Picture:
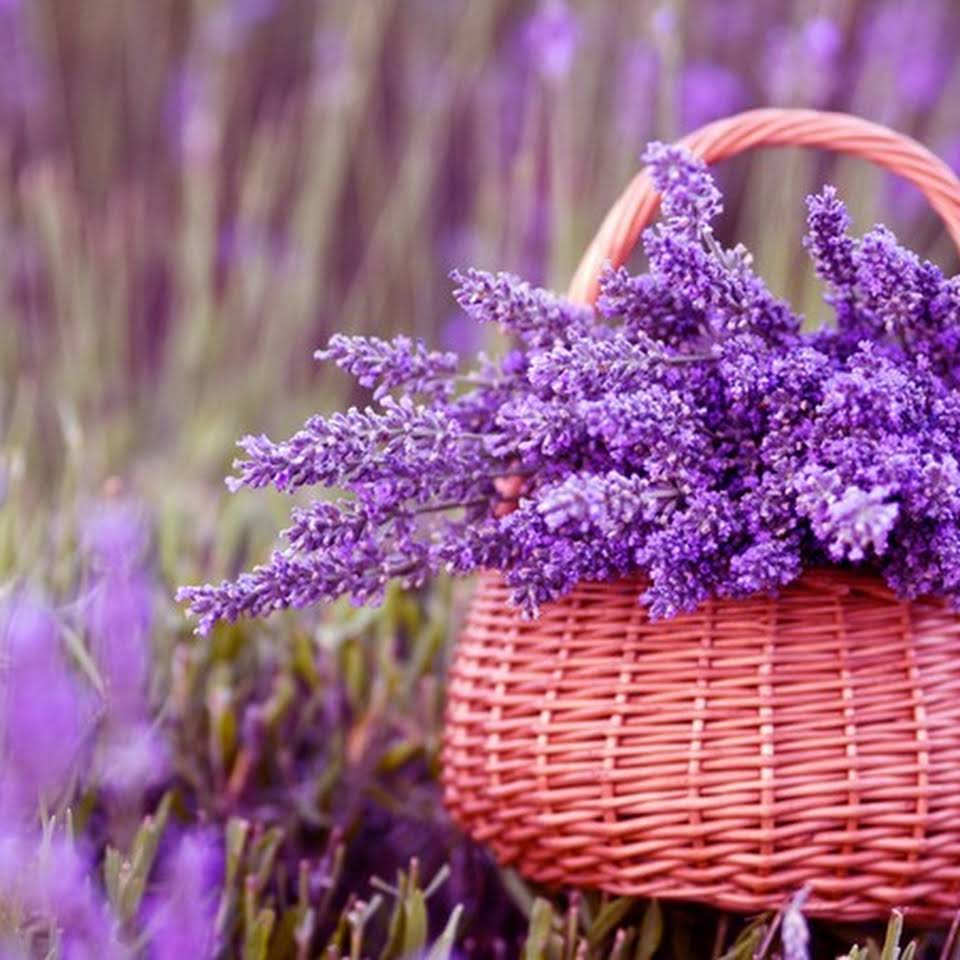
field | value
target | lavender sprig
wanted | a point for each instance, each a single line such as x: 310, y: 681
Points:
x: 540, y: 318
x: 384, y: 365
x: 400, y: 439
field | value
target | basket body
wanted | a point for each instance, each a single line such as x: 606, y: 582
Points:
x: 730, y: 756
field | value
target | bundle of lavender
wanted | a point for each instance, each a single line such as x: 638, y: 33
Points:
x: 686, y: 428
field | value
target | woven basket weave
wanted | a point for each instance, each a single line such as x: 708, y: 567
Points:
x: 733, y: 755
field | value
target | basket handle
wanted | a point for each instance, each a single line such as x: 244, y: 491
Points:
x: 771, y: 127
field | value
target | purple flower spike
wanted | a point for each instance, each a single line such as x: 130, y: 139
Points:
x: 708, y: 91
x: 60, y: 887
x: 182, y: 920
x: 832, y: 250
x: 384, y: 365
x: 50, y: 881
x: 134, y: 759
x: 690, y: 199
x: 552, y: 36
x: 44, y: 712
x: 539, y: 317
x: 117, y: 608
x: 118, y: 611
x: 801, y: 64
x: 114, y: 534
x: 854, y: 522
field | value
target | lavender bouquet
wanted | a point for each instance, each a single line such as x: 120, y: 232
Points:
x: 686, y: 428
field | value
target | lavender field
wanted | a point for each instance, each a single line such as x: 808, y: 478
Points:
x: 194, y: 196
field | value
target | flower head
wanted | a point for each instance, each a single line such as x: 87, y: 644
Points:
x: 687, y: 428
x: 552, y: 35
x: 181, y: 923
x: 44, y: 711
x: 117, y: 606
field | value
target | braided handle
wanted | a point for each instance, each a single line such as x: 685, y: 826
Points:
x: 771, y: 128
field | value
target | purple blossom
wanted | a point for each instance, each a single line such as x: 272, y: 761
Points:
x: 133, y: 759
x: 114, y: 534
x: 384, y: 365
x: 802, y: 62
x: 551, y: 37
x: 117, y: 607
x: 543, y: 565
x: 118, y: 611
x: 690, y: 198
x: 44, y: 713
x: 539, y: 317
x: 686, y: 429
x: 336, y: 451
x: 610, y: 506
x: 182, y: 920
x: 690, y: 274
x: 709, y: 91
x: 829, y: 245
x: 49, y: 880
x: 883, y: 293
x: 772, y: 561
x: 60, y: 887
x: 23, y: 82
x: 597, y: 367
x: 849, y: 521
x: 686, y: 558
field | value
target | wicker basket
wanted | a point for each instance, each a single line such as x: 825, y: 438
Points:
x: 733, y: 755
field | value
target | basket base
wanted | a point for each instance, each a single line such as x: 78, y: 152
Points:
x: 728, y: 757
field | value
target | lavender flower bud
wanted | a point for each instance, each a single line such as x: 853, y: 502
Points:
x: 384, y: 365
x: 689, y: 197
x: 539, y: 317
x: 827, y: 241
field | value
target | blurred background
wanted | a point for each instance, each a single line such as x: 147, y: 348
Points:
x: 194, y: 194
